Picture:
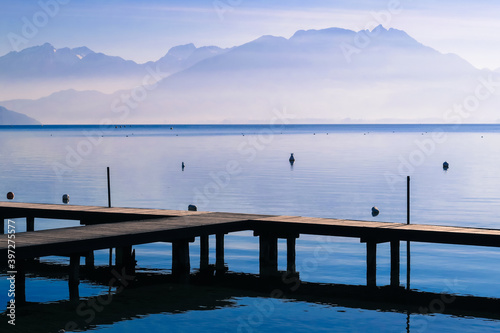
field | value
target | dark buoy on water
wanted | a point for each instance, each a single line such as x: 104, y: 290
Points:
x: 10, y: 195
x: 446, y: 165
x: 291, y: 159
x: 183, y: 166
x: 375, y: 211
x: 65, y: 198
x: 192, y: 208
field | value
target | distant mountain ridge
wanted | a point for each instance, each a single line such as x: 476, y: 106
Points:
x: 8, y: 117
x: 323, y: 75
x: 51, y: 70
x: 46, y: 61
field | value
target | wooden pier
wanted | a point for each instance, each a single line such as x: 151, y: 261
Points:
x: 121, y: 228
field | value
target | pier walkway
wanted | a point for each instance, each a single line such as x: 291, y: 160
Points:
x: 121, y: 228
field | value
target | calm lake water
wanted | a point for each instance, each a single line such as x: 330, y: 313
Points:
x: 341, y: 171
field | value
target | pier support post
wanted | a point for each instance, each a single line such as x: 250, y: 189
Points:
x: 20, y: 281
x: 204, y: 253
x: 290, y: 255
x: 371, y: 263
x: 74, y: 277
x: 395, y: 263
x: 220, y: 267
x: 89, y: 260
x: 30, y: 223
x: 125, y: 259
x: 180, y: 260
x: 268, y: 255
x: 30, y: 226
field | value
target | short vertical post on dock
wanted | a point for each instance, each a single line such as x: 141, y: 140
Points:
x: 74, y: 277
x: 220, y: 267
x: 371, y: 263
x: 20, y: 281
x: 109, y: 190
x: 290, y: 255
x: 268, y: 255
x: 180, y: 260
x: 204, y: 253
x: 395, y: 255
x: 30, y: 223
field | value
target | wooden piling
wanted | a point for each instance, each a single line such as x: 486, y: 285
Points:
x: 220, y: 267
x: 395, y: 263
x: 408, y: 264
x: 268, y: 255
x: 110, y: 257
x: 204, y: 253
x: 125, y: 258
x: 371, y: 263
x: 290, y: 255
x: 90, y: 260
x: 180, y: 260
x: 74, y: 277
x: 30, y: 223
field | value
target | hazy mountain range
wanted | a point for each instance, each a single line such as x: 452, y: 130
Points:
x: 41, y: 70
x: 331, y: 75
x: 8, y: 117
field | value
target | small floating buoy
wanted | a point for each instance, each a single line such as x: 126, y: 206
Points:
x: 192, y: 208
x: 183, y: 166
x: 10, y: 195
x: 446, y: 165
x: 291, y: 159
x: 375, y: 211
x: 65, y: 198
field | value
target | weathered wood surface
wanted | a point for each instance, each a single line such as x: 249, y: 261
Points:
x: 383, y: 231
x: 86, y: 214
x: 170, y: 225
x: 65, y: 241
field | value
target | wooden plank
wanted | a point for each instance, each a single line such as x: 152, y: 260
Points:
x: 187, y: 224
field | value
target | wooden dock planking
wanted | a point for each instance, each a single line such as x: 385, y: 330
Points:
x: 63, y: 241
x: 193, y: 224
x: 386, y: 231
x: 133, y: 226
x: 85, y: 214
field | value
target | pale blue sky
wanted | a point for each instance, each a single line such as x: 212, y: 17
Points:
x: 145, y: 30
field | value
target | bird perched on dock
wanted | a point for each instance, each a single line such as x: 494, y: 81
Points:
x: 375, y: 211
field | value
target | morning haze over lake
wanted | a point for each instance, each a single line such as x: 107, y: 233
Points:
x: 236, y: 166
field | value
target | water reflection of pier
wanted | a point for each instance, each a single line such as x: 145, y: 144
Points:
x: 159, y: 294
